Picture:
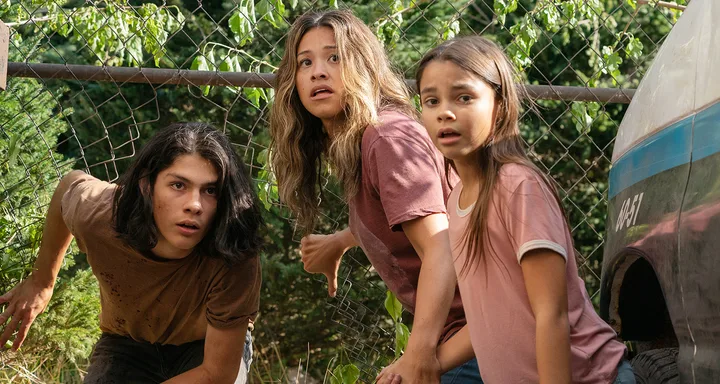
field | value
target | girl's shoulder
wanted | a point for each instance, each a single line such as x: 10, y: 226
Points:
x: 512, y: 175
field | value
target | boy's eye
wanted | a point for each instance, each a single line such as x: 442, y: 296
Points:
x: 177, y: 185
x: 334, y: 58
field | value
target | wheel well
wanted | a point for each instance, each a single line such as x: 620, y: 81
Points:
x: 639, y: 305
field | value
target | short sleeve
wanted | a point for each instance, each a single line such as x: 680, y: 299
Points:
x: 235, y: 295
x: 407, y: 178
x: 79, y: 204
x: 534, y: 219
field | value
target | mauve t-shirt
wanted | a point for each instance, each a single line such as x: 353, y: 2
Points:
x: 403, y: 178
x: 523, y: 215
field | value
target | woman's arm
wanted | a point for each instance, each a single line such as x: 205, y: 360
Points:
x: 436, y: 287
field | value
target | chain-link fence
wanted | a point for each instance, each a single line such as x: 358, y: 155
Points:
x: 90, y: 81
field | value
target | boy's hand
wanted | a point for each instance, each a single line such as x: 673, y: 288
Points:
x: 24, y: 303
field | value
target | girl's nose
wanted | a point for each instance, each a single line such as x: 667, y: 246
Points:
x: 446, y: 114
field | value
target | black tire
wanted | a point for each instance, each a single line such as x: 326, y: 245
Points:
x: 656, y: 366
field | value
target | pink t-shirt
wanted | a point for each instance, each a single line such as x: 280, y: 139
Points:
x: 523, y: 216
x: 403, y: 178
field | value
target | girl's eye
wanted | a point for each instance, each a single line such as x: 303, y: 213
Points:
x: 211, y: 191
x: 430, y: 101
x: 334, y: 58
x: 305, y: 62
x: 465, y: 99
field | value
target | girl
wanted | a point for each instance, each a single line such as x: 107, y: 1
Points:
x: 529, y: 317
x: 337, y: 100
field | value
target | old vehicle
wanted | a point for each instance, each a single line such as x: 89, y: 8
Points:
x: 661, y: 269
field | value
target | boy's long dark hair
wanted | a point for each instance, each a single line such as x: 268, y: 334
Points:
x: 234, y: 235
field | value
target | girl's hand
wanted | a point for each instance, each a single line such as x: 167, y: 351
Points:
x: 24, y: 303
x: 322, y: 254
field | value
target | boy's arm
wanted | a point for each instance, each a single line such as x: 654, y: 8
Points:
x: 223, y: 356
x: 30, y: 297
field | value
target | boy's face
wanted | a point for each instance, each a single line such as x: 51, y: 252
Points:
x: 184, y: 204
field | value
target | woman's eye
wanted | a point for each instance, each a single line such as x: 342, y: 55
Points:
x: 305, y: 63
x: 334, y: 58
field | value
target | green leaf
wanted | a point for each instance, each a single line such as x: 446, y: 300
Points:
x: 582, y: 119
x: 13, y: 149
x: 632, y: 3
x: 345, y: 374
x: 200, y: 64
x: 293, y: 4
x: 253, y: 95
x: 451, y: 30
x: 235, y: 23
x: 334, y: 4
x: 402, y: 335
x: 634, y: 47
x: 226, y: 65
x: 393, y: 306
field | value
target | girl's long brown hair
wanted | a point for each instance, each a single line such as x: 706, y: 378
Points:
x: 487, y: 61
x: 299, y: 142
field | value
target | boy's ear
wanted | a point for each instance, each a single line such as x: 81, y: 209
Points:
x: 145, y: 186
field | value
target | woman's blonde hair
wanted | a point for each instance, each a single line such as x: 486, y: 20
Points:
x: 298, y: 139
x: 486, y: 60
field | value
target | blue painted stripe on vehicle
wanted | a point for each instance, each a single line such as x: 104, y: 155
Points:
x: 669, y: 148
x: 666, y: 149
x: 706, y: 134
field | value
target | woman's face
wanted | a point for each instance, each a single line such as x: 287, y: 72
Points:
x: 318, y: 78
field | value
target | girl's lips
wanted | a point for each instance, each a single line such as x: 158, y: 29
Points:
x: 187, y: 231
x: 321, y: 95
x: 448, y: 140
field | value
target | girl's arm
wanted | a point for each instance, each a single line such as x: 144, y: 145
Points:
x: 544, y: 272
x: 456, y: 351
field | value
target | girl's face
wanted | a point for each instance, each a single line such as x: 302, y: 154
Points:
x: 318, y: 80
x: 184, y: 204
x: 458, y: 109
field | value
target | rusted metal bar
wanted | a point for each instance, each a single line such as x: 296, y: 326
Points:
x: 139, y: 75
x: 162, y: 76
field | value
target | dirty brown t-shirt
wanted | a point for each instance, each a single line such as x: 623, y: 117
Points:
x: 403, y: 178
x: 151, y: 299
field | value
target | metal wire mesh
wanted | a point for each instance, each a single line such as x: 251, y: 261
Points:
x: 89, y: 81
